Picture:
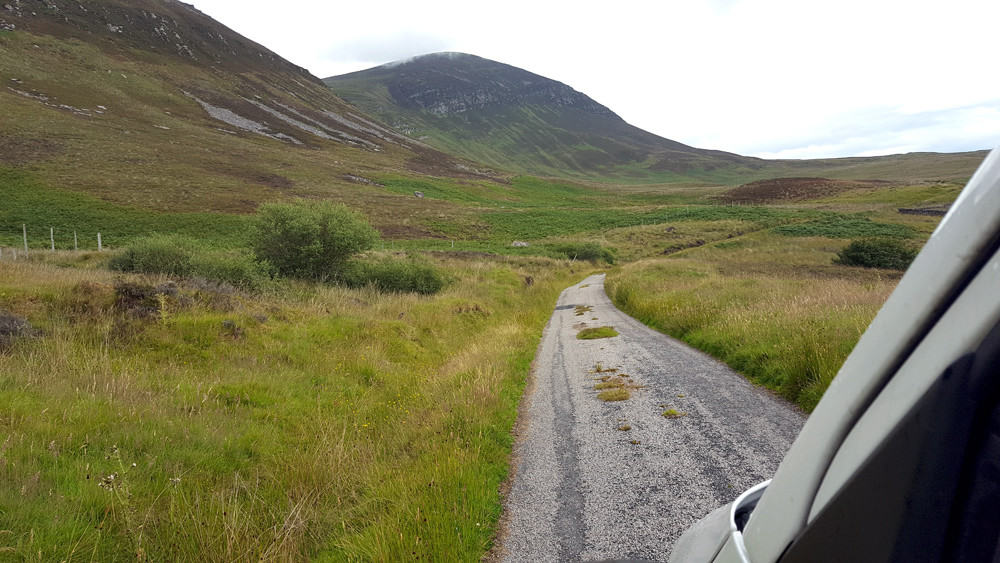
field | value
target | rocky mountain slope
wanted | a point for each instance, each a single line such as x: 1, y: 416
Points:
x: 506, y: 116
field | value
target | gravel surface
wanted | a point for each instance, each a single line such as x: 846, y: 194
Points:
x: 586, y: 490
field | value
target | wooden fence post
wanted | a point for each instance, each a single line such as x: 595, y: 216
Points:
x: 52, y: 238
x: 76, y: 246
x: 99, y: 247
x: 24, y: 231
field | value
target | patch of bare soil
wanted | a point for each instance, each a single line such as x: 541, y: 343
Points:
x: 436, y: 163
x: 260, y: 177
x: 791, y: 189
x: 405, y: 232
x: 21, y: 150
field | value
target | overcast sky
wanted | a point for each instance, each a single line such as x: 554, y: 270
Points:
x: 768, y: 78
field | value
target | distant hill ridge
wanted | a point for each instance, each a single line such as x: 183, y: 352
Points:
x: 504, y: 115
x: 475, y: 83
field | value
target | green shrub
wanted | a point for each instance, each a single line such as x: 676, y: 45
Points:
x: 590, y: 251
x: 180, y: 256
x: 310, y: 239
x: 877, y: 253
x: 404, y: 276
x: 237, y: 269
x: 156, y: 254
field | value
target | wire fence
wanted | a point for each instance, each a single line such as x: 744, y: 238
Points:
x: 30, y: 246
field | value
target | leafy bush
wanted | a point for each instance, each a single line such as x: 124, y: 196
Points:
x: 156, y: 254
x: 177, y: 255
x: 312, y: 240
x: 405, y: 276
x: 590, y: 251
x: 236, y: 269
x: 877, y: 253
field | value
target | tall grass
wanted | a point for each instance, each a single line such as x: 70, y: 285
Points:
x: 789, y: 331
x: 308, y: 422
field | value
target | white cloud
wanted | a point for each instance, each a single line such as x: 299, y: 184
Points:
x: 374, y: 50
x: 763, y: 77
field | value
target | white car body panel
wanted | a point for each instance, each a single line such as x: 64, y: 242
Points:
x: 959, y: 331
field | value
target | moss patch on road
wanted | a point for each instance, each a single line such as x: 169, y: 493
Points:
x: 597, y: 332
x: 616, y: 394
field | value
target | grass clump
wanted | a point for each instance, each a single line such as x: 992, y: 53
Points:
x: 581, y: 310
x: 673, y: 413
x: 877, y: 253
x: 594, y: 333
x: 409, y: 276
x: 156, y: 254
x: 615, y: 388
x: 616, y: 394
x: 599, y: 368
x: 236, y: 268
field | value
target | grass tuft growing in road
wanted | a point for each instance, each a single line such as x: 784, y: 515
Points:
x: 616, y: 394
x: 597, y: 332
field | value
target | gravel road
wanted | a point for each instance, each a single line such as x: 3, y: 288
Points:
x: 585, y: 489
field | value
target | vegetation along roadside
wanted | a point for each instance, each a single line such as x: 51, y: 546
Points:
x: 191, y: 420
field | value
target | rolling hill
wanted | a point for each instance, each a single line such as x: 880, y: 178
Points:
x: 113, y: 106
x: 511, y: 118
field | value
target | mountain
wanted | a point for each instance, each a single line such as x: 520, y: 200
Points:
x: 130, y: 116
x: 511, y: 118
x: 508, y: 117
x: 152, y: 104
